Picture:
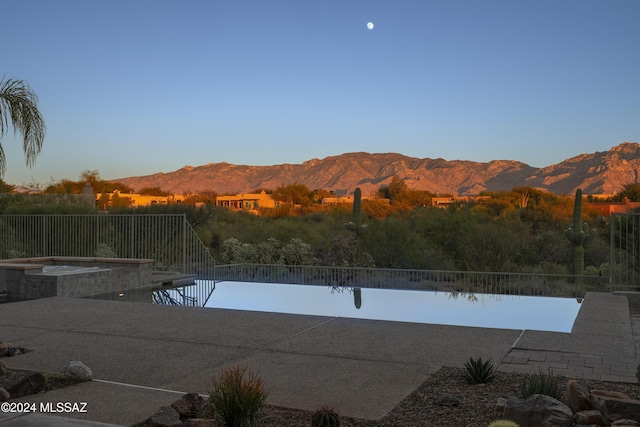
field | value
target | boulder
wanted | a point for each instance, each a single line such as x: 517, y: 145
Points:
x: 191, y: 405
x: 538, y: 411
x: 613, y: 408
x: 500, y: 404
x: 4, y: 395
x: 34, y: 383
x: 200, y: 422
x: 578, y: 396
x: 166, y: 416
x: 609, y: 393
x: 625, y: 423
x: 78, y: 371
x: 591, y: 417
x: 14, y: 351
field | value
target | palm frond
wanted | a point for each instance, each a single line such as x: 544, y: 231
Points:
x: 18, y: 107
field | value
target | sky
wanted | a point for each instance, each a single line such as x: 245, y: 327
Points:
x: 130, y: 88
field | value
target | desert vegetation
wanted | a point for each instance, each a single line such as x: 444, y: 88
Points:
x: 524, y: 228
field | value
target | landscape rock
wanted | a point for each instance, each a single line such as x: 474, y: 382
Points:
x: 500, y: 404
x: 191, y: 405
x: 609, y: 393
x: 613, y: 408
x: 578, y: 396
x: 626, y: 423
x: 200, y: 422
x: 4, y: 395
x: 14, y: 351
x: 538, y: 411
x: 590, y: 417
x: 7, y: 350
x: 78, y: 371
x: 34, y: 383
x: 166, y: 416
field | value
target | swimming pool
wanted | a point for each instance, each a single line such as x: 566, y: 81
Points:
x: 444, y: 308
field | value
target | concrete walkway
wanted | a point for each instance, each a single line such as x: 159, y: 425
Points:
x: 145, y: 356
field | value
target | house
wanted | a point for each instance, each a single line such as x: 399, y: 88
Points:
x: 252, y: 201
x: 444, y: 202
x: 136, y: 200
x: 608, y: 208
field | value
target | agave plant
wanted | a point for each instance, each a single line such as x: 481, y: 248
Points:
x: 477, y: 371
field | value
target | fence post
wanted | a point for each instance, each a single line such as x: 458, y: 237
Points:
x: 612, y: 259
x: 184, y: 243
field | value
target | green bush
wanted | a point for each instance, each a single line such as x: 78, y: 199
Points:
x: 503, y: 423
x: 541, y: 383
x: 478, y: 372
x: 325, y: 417
x: 238, y: 395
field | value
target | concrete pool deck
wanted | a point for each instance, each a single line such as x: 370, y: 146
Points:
x: 144, y: 356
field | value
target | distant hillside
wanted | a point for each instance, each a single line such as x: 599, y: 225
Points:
x: 600, y: 172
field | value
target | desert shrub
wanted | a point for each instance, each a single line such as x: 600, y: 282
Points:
x: 541, y: 383
x: 14, y: 253
x: 325, y: 417
x: 478, y: 372
x: 238, y: 395
x: 105, y: 251
x: 503, y: 423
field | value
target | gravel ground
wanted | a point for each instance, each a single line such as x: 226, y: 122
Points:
x: 444, y: 400
x: 429, y: 404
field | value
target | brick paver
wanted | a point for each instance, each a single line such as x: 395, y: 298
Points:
x: 605, y: 367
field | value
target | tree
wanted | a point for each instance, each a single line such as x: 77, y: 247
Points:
x: 297, y: 194
x: 18, y: 105
x: 629, y: 191
x: 5, y: 188
x: 153, y: 191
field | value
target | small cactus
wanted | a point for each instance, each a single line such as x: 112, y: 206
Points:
x: 325, y: 417
x: 503, y: 423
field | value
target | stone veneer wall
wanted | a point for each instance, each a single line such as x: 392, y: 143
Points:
x: 24, y: 279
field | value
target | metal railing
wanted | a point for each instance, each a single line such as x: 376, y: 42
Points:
x: 625, y: 251
x: 434, y: 280
x: 167, y: 239
x: 173, y: 245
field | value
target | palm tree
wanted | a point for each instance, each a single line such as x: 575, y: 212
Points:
x: 18, y: 105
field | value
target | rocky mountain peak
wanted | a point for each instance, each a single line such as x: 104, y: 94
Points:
x: 600, y: 172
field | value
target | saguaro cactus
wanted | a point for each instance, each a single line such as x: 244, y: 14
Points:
x: 356, y: 223
x: 579, y: 235
x: 357, y: 297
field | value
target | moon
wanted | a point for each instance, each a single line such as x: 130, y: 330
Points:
x: 370, y: 25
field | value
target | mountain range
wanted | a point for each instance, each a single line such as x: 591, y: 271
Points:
x: 597, y: 173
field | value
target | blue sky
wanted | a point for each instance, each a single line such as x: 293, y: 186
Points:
x: 138, y: 87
